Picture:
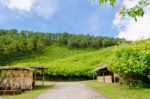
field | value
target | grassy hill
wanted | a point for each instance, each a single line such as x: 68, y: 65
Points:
x: 62, y: 61
x: 65, y: 54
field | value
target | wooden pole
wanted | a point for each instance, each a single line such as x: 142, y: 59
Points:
x: 0, y: 72
x: 93, y: 76
x: 34, y: 79
x: 113, y: 77
x: 43, y: 78
x: 104, y: 76
x: 35, y: 76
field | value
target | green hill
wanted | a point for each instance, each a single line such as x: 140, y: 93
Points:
x: 65, y: 54
x: 62, y: 61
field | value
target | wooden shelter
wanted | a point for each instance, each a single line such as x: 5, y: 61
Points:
x: 19, y: 78
x: 105, y: 74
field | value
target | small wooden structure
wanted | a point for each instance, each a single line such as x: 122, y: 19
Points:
x: 105, y: 74
x: 19, y: 78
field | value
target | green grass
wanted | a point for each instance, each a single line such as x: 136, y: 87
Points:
x: 68, y: 62
x: 39, y: 89
x: 116, y: 91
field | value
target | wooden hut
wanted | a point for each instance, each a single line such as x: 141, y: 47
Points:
x: 19, y: 78
x: 104, y: 75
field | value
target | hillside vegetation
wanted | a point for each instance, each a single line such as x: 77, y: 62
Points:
x: 132, y: 62
x: 62, y: 61
x: 14, y: 44
x: 71, y: 55
x: 64, y: 54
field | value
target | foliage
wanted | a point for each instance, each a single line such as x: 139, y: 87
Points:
x: 65, y: 62
x: 15, y: 43
x: 65, y: 54
x: 133, y: 62
x: 111, y: 2
x: 136, y: 11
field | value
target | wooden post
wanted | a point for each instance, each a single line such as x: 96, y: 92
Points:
x: 34, y: 80
x: 43, y: 78
x: 113, y: 77
x: 93, y: 76
x: 104, y: 76
x: 0, y: 72
x: 35, y: 76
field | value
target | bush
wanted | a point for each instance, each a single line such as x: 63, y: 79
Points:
x: 133, y: 62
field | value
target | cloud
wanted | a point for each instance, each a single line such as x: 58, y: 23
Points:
x: 43, y: 8
x: 131, y: 30
x: 20, y: 5
x: 47, y: 8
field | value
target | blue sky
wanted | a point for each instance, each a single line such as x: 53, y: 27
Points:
x: 73, y: 16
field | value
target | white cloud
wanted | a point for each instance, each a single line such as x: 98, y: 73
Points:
x: 131, y: 30
x: 20, y: 5
x: 42, y: 8
x: 130, y: 3
x: 47, y: 8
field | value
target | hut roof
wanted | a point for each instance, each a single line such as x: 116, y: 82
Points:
x: 101, y: 67
x: 38, y: 67
x: 22, y: 68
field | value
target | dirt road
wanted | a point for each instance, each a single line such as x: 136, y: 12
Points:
x: 71, y: 90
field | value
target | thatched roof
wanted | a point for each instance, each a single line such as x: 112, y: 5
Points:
x: 101, y: 67
x: 38, y: 67
x: 22, y: 68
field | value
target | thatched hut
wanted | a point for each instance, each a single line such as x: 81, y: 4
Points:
x: 104, y: 75
x: 19, y: 78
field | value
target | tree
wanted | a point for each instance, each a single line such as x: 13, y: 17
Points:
x: 48, y: 38
x: 83, y: 44
x: 136, y: 11
x: 40, y: 44
x: 73, y: 44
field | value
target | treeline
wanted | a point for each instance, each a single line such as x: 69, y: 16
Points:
x: 14, y: 43
x: 86, y: 41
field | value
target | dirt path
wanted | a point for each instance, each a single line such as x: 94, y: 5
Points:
x: 71, y: 90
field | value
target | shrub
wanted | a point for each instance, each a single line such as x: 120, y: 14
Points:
x: 133, y: 62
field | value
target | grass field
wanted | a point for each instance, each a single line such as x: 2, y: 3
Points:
x: 115, y: 91
x: 39, y: 89
x: 68, y: 62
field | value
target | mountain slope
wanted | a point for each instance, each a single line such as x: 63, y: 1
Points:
x: 62, y: 61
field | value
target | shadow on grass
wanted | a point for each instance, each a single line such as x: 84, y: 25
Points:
x: 40, y: 87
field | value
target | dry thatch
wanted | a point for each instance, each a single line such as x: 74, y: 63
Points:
x: 17, y: 80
